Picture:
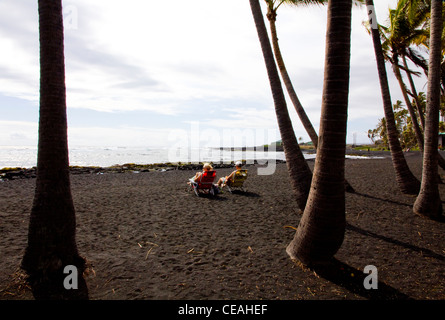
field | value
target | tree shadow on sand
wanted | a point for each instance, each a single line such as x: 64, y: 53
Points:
x: 437, y: 219
x: 423, y: 251
x: 381, y: 199
x: 353, y: 280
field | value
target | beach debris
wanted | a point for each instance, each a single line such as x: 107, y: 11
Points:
x: 290, y: 227
x: 140, y: 246
x: 310, y: 291
x: 18, y: 285
x: 148, y: 252
x: 250, y: 249
x: 191, y: 250
x: 89, y: 270
x: 153, y: 245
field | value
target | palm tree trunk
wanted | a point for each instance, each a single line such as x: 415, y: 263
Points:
x: 441, y: 160
x: 414, y: 93
x: 52, y: 227
x: 271, y: 15
x: 428, y: 202
x: 322, y: 226
x: 418, y: 133
x: 407, y: 182
x: 299, y: 171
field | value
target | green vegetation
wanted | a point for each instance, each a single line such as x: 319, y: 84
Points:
x: 404, y: 125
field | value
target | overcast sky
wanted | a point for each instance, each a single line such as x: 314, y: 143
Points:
x: 157, y: 73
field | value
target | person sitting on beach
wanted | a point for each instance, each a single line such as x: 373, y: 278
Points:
x: 205, y: 167
x: 224, y: 180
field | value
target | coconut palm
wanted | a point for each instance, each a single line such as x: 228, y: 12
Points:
x: 299, y: 171
x: 428, y: 202
x: 413, y: 93
x: 52, y: 227
x: 409, y: 25
x: 272, y: 7
x: 321, y: 229
x: 404, y: 29
x: 407, y: 182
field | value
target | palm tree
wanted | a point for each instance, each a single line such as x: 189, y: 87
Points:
x: 408, y: 25
x: 299, y: 171
x: 404, y: 29
x: 52, y: 227
x: 321, y: 229
x: 413, y: 93
x: 272, y: 8
x: 407, y: 182
x: 418, y: 10
x: 428, y: 202
x: 414, y: 115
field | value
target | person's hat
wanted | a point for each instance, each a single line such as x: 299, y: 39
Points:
x: 238, y: 163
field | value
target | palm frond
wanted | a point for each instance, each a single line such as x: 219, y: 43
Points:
x: 304, y: 2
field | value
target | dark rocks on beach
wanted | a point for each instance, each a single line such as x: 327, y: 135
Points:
x: 28, y: 173
x: 17, y: 173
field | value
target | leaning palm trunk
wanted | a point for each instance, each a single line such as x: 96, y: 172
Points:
x: 52, y: 227
x: 417, y: 129
x: 418, y: 133
x: 322, y: 226
x: 428, y: 202
x: 414, y: 93
x: 441, y: 160
x: 271, y: 15
x: 299, y: 171
x: 407, y: 182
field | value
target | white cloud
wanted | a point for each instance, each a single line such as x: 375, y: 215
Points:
x: 177, y: 58
x: 161, y: 51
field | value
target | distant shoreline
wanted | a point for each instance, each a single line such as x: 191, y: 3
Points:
x: 260, y: 149
x: 20, y: 173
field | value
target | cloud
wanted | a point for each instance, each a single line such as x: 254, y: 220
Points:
x: 170, y: 59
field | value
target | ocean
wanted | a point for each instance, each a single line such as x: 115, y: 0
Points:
x: 26, y: 157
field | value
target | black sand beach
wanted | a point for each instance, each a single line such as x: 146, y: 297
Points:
x: 146, y: 236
